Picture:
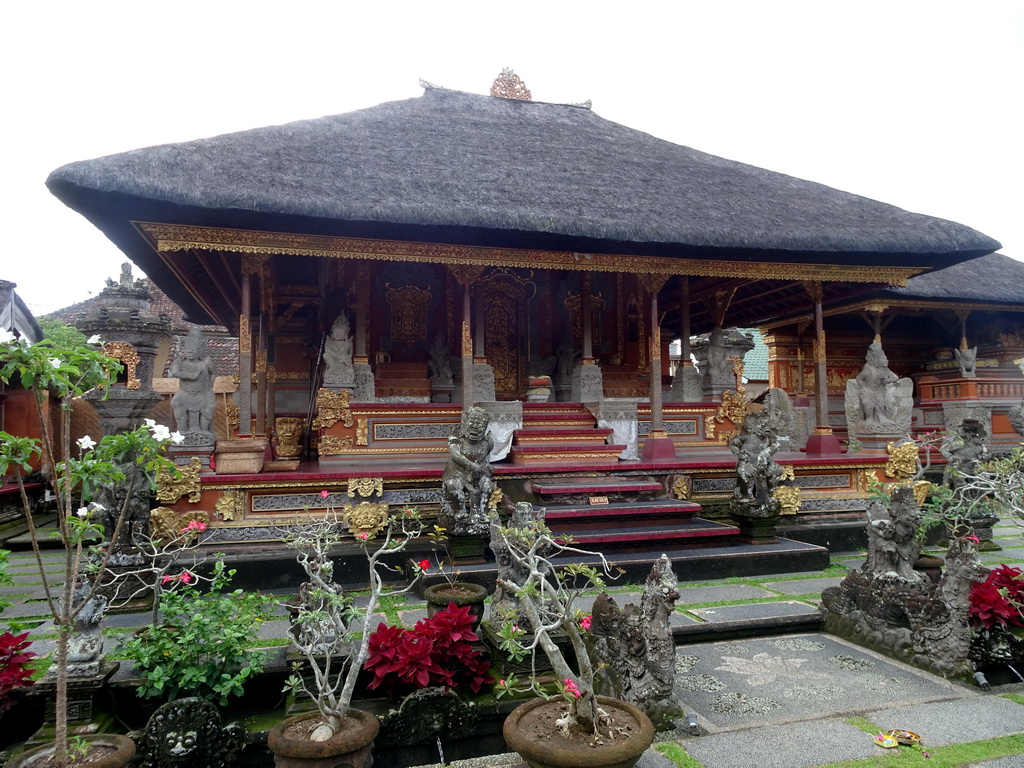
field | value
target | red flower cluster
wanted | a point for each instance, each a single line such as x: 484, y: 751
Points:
x: 15, y: 666
x: 437, y: 651
x: 999, y: 600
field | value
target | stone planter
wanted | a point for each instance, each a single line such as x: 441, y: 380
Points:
x: 120, y: 751
x: 351, y: 747
x: 539, y: 751
x: 461, y: 593
x: 243, y: 456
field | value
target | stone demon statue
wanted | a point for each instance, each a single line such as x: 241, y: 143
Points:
x: 467, y: 483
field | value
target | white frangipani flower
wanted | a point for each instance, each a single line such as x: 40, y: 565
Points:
x: 82, y: 512
x: 55, y: 362
x: 177, y: 438
x: 85, y: 443
x: 150, y: 423
x: 160, y: 432
x: 94, y: 339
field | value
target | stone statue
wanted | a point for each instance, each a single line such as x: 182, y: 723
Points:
x: 878, y: 402
x: 719, y: 367
x: 85, y: 645
x: 467, y: 483
x: 634, y: 649
x: 757, y: 473
x: 188, y: 733
x: 965, y: 450
x: 781, y: 418
x: 339, y: 371
x: 968, y: 359
x: 126, y: 275
x: 504, y: 602
x: 892, y: 546
x: 129, y: 498
x: 194, y: 402
x: 1017, y: 418
x: 440, y: 364
x: 568, y: 355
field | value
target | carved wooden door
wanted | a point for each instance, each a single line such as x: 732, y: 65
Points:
x: 502, y: 342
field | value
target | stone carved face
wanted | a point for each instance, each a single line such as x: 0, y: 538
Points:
x: 289, y: 429
x: 476, y: 424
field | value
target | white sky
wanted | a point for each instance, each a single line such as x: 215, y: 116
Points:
x: 915, y: 103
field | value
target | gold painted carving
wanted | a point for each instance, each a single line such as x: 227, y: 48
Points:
x: 244, y: 335
x: 788, y: 497
x: 720, y: 301
x: 652, y: 283
x: 365, y: 486
x: 508, y: 85
x: 495, y: 499
x: 466, y: 274
x: 127, y: 354
x: 409, y: 306
x: 231, y: 505
x: 682, y: 487
x: 467, y: 340
x: 171, y: 486
x: 733, y: 406
x: 902, y: 459
x: 787, y: 473
x: 166, y: 525
x: 362, y: 432
x: 234, y: 416
x: 289, y: 436
x: 261, y: 361
x: 332, y: 407
x: 365, y: 517
x: 332, y: 445
x: 174, y: 237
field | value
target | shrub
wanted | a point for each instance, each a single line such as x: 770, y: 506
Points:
x: 999, y: 600
x: 437, y: 651
x: 202, y: 646
x: 15, y: 666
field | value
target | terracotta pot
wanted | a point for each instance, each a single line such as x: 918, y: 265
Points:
x: 620, y: 753
x: 352, y: 746
x: 461, y: 593
x: 124, y: 751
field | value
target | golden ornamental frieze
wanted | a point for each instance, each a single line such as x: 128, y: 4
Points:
x: 902, y: 459
x: 171, y: 485
x: 174, y: 237
x: 682, y: 487
x: 166, y: 525
x: 332, y: 445
x: 788, y: 497
x: 129, y: 356
x: 331, y: 408
x: 365, y: 517
x: 231, y: 505
x: 362, y: 432
x: 365, y: 486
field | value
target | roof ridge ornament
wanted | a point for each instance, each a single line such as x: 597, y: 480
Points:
x: 508, y: 85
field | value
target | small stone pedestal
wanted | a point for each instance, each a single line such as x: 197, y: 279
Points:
x: 823, y: 443
x: 658, y: 445
x: 83, y: 717
x: 243, y: 456
x: 757, y: 530
x: 982, y: 527
x: 198, y: 444
x: 587, y: 383
x: 441, y: 393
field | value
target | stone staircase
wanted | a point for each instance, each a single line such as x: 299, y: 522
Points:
x: 561, y: 433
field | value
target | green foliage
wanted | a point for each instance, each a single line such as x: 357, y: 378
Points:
x: 678, y: 755
x: 62, y: 335
x: 5, y: 577
x: 203, y: 645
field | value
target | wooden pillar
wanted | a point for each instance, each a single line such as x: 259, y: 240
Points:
x: 658, y: 444
x: 245, y: 353
x: 362, y: 299
x: 684, y: 320
x: 821, y: 440
x: 467, y: 277
x: 586, y: 319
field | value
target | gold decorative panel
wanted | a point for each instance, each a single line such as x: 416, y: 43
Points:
x: 365, y: 517
x: 409, y: 307
x: 171, y: 486
x: 129, y: 357
x: 365, y: 486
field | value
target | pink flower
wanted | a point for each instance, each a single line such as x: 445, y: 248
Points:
x: 364, y: 536
x: 195, y: 525
x: 570, y: 687
x: 168, y: 578
x: 973, y: 538
x: 585, y: 622
x: 424, y: 565
x: 324, y: 494
x: 501, y: 682
x: 186, y: 577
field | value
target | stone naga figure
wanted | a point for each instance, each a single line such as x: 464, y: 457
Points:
x: 878, y: 401
x: 965, y: 450
x: 440, y: 364
x: 467, y: 483
x: 194, y: 402
x: 634, y: 650
x: 757, y: 473
x: 188, y: 733
x: 339, y: 370
x: 968, y: 359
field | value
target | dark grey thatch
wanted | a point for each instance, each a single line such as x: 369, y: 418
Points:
x: 993, y: 278
x: 457, y: 167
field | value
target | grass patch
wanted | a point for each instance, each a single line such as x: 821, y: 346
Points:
x: 865, y: 725
x: 678, y: 755
x: 952, y: 756
x: 1014, y: 697
x: 750, y: 601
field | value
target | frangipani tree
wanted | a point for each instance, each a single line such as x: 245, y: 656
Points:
x: 77, y: 472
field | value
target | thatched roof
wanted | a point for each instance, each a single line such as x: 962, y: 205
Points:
x: 994, y: 278
x: 456, y: 167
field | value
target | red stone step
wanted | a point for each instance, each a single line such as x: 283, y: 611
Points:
x: 594, y: 486
x: 565, y: 453
x: 658, y: 512
x: 561, y: 435
x: 695, y: 533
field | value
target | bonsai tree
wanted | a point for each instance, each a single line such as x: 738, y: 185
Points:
x: 59, y: 374
x: 323, y: 628
x: 545, y: 596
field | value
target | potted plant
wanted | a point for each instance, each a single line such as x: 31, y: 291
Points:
x: 335, y: 733
x: 57, y: 374
x: 574, y: 727
x: 451, y: 590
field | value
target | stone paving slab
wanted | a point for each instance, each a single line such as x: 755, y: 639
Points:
x: 754, y: 611
x: 953, y: 722
x: 803, y: 586
x: 1011, y: 761
x: 783, y: 746
x: 717, y: 594
x: 767, y: 681
x: 23, y: 610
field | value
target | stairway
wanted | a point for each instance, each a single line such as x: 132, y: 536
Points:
x: 561, y: 433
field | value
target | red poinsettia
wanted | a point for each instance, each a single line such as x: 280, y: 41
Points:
x: 999, y: 600
x: 15, y: 666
